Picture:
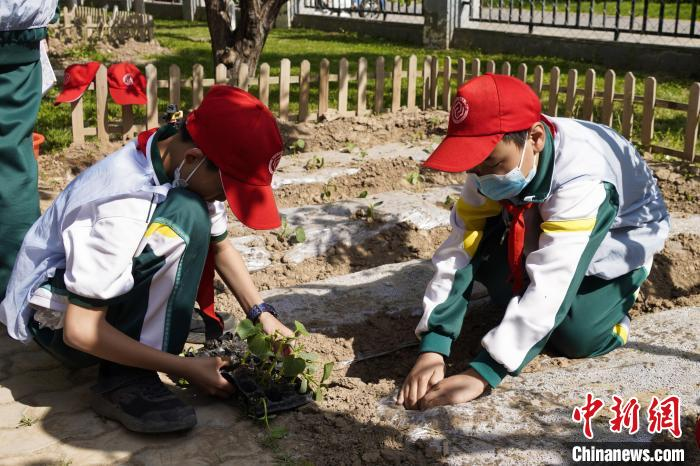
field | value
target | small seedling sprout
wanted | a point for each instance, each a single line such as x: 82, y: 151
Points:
x: 414, y: 178
x: 315, y: 163
x: 297, y: 146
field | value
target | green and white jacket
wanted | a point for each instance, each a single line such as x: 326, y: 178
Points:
x: 598, y: 212
x: 22, y: 26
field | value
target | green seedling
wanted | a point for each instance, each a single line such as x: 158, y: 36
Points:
x: 26, y: 421
x: 288, y: 234
x: 276, y: 359
x: 449, y: 202
x: 363, y: 194
x: 315, y: 163
x: 327, y: 192
x: 414, y: 178
x: 349, y: 147
x: 370, y: 213
x: 297, y: 146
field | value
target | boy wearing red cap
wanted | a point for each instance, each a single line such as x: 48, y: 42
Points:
x: 110, y: 272
x: 559, y: 218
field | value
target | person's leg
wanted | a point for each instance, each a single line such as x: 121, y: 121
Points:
x: 598, y: 321
x: 20, y: 96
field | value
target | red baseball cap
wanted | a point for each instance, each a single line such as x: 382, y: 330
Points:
x: 76, y: 79
x: 484, y: 109
x: 127, y: 85
x: 239, y: 134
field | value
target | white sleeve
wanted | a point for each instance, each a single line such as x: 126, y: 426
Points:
x: 218, y: 217
x: 100, y: 245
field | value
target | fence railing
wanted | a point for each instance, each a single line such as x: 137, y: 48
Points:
x: 395, y: 88
x: 94, y: 24
x: 650, y: 17
x: 371, y: 9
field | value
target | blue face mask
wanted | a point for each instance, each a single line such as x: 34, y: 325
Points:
x: 498, y: 187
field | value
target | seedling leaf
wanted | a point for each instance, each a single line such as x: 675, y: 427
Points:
x: 303, y: 386
x: 278, y: 432
x: 246, y: 329
x: 327, y: 370
x: 300, y: 329
x: 291, y: 367
x: 318, y: 395
x: 260, y: 345
x: 300, y: 234
x: 363, y: 194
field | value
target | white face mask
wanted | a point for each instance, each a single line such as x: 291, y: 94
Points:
x: 499, y: 187
x: 178, y: 182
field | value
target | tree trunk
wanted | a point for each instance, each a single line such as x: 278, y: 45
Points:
x: 245, y: 44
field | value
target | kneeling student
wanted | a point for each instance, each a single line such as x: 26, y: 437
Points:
x: 559, y: 218
x: 110, y: 272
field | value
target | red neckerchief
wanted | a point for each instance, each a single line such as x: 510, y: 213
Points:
x: 516, y: 243
x: 205, y: 293
x: 516, y: 232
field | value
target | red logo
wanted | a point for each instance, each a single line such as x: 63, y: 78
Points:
x: 665, y: 415
x: 128, y: 80
x: 586, y: 413
x: 460, y: 109
x: 274, y: 161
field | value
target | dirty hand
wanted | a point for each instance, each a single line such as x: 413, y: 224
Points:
x: 457, y: 389
x: 428, y: 370
x: 270, y: 324
x: 204, y: 372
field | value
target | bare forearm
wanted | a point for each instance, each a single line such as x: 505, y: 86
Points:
x: 233, y: 271
x: 87, y: 330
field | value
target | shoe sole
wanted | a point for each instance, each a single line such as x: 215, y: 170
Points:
x: 110, y: 411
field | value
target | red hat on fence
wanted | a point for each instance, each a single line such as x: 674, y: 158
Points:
x: 239, y: 134
x: 76, y: 79
x: 484, y: 109
x: 127, y: 85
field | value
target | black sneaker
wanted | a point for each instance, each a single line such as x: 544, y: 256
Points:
x: 143, y: 405
x: 203, y: 328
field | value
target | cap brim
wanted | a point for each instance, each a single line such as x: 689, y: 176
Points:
x: 462, y: 153
x: 123, y: 97
x: 71, y: 95
x: 253, y: 205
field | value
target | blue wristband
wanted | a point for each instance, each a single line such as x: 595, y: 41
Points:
x: 257, y: 310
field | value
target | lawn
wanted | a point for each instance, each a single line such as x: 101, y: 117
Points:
x: 189, y: 45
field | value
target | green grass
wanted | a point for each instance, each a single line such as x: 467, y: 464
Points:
x: 653, y: 11
x: 189, y: 45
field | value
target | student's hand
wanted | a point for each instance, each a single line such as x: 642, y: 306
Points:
x: 457, y: 389
x: 204, y: 372
x: 428, y: 370
x: 270, y: 324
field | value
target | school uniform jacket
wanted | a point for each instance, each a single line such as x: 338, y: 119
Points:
x: 92, y: 230
x: 598, y: 211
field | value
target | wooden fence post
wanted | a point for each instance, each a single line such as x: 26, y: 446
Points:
x: 427, y: 63
x: 396, y: 79
x: 461, y: 71
x: 304, y: 71
x: 174, y: 84
x: 446, y: 83
x: 648, y: 115
x: 127, y: 121
x: 151, y: 96
x: 554, y: 83
x: 589, y: 95
x: 538, y: 80
x: 476, y: 68
x: 220, y: 74
x: 323, y: 88
x: 343, y: 87
x: 608, y: 98
x: 101, y: 102
x: 505, y: 68
x: 361, y: 86
x: 691, y: 125
x: 491, y: 66
x: 76, y: 117
x: 243, y: 73
x: 285, y: 69
x: 264, y: 84
x: 434, y: 70
x: 379, y: 85
x: 197, y: 85
x: 628, y: 105
x: 522, y: 72
x: 571, y: 83
x: 412, y: 78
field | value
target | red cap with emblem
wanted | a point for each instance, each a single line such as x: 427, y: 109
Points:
x: 239, y: 134
x: 127, y: 85
x: 484, y: 109
x: 76, y: 79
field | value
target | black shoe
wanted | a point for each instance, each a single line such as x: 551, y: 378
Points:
x: 143, y: 404
x: 203, y: 328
